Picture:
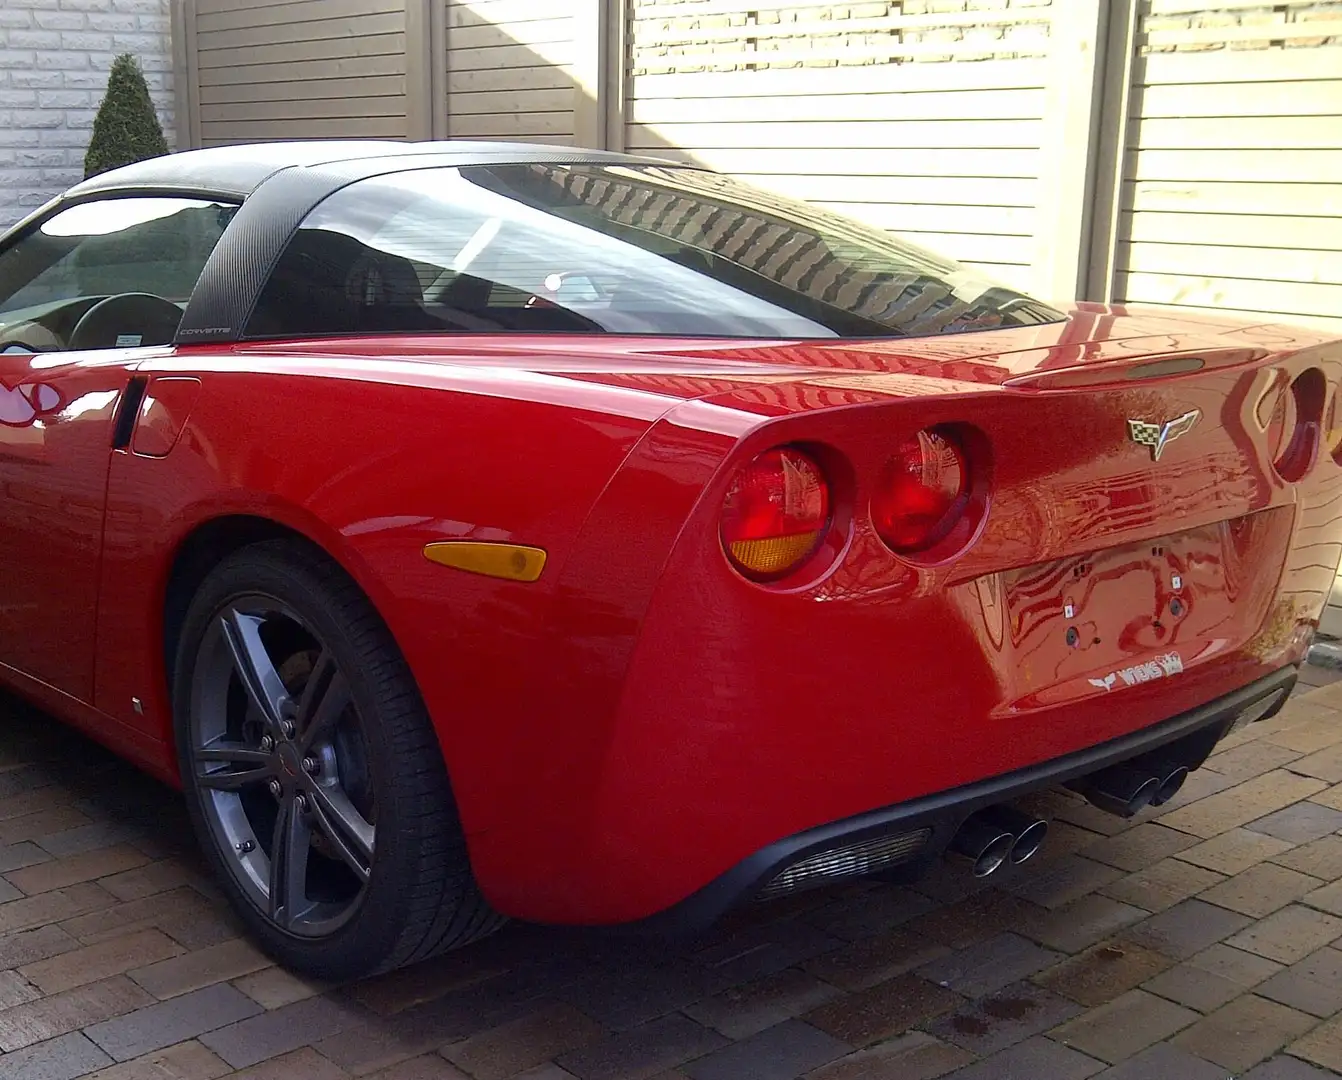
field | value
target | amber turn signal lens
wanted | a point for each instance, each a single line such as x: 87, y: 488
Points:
x: 923, y: 494
x: 775, y: 513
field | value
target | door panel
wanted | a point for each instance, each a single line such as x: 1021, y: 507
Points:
x: 56, y: 418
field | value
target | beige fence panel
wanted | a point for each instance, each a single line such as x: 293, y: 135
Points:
x: 931, y: 124
x: 293, y: 69
x: 1227, y: 188
x: 510, y: 69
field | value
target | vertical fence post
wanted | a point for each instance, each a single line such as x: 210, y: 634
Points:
x: 1071, y: 120
x: 589, y: 127
x: 1111, y: 151
x: 614, y: 70
x: 185, y: 76
x: 418, y: 70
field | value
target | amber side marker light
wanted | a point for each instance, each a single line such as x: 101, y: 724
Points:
x: 775, y: 514
x: 516, y: 562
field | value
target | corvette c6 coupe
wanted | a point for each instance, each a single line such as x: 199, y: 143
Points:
x: 476, y: 530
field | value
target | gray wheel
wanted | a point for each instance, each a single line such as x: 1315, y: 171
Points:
x: 313, y: 775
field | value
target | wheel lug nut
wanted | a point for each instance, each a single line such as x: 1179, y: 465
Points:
x: 245, y: 847
x: 287, y: 728
x: 275, y: 788
x: 311, y: 766
x: 300, y: 803
x: 267, y: 743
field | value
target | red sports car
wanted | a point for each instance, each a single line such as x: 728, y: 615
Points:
x: 477, y: 530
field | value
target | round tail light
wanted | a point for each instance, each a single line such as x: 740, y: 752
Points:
x: 923, y: 494
x: 775, y: 513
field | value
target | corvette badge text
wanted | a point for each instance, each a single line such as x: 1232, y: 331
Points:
x: 1162, y: 667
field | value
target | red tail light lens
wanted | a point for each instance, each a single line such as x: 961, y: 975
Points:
x: 775, y: 514
x: 924, y: 492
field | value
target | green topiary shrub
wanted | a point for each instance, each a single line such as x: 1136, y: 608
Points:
x: 126, y: 128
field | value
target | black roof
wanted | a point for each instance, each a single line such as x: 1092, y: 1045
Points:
x: 240, y: 170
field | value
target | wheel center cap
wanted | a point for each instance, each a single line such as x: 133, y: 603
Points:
x: 289, y: 760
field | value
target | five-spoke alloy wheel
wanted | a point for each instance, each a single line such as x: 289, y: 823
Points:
x: 310, y: 764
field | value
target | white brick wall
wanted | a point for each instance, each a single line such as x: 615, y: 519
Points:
x: 54, y: 60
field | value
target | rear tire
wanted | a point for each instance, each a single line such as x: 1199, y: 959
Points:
x: 313, y: 777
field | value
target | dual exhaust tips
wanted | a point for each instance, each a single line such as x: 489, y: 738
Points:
x: 1130, y: 787
x: 991, y: 838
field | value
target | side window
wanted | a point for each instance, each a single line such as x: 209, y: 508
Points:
x: 111, y: 273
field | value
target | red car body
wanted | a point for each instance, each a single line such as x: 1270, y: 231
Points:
x: 627, y: 728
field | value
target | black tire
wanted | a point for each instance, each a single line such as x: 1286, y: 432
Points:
x: 415, y: 895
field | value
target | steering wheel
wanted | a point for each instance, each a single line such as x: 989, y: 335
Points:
x: 114, y: 321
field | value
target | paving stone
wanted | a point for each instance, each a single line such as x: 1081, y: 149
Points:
x: 766, y: 949
x: 75, y: 869
x: 204, y: 967
x: 1081, y: 923
x: 1328, y: 898
x: 1164, y: 1062
x: 914, y: 1056
x: 984, y: 968
x: 1320, y: 858
x: 1119, y: 1029
x: 1289, y: 935
x: 48, y: 1017
x: 874, y: 912
x: 1288, y: 1068
x: 1211, y: 978
x: 1244, y: 1032
x: 59, y: 1059
x: 185, y: 1061
x: 152, y: 878
x: 1103, y: 972
x: 882, y: 1011
x: 433, y: 1067
x: 782, y: 1052
x: 252, y: 1038
x: 527, y: 1041
x: 1325, y: 764
x: 873, y: 960
x: 1200, y: 784
x: 1312, y: 732
x: 1234, y: 850
x: 1187, y: 928
x: 95, y: 962
x: 27, y: 946
x: 17, y: 856
x: 1139, y: 848
x: 1163, y: 885
x: 643, y: 992
x: 973, y: 920
x: 273, y: 987
x: 644, y: 1051
x: 1248, y: 760
x: 15, y: 990
x: 1313, y: 985
x: 305, y: 1063
x: 743, y: 1010
x: 1011, y: 1015
x: 53, y: 907
x: 1064, y: 880
x: 1322, y: 1046
x: 90, y: 837
x: 159, y: 1025
x: 1299, y: 823
x: 1329, y: 797
x: 37, y: 825
x: 1261, y: 890
x: 1033, y: 1059
x: 1242, y: 803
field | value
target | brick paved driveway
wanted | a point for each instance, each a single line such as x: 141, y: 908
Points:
x: 1204, y: 942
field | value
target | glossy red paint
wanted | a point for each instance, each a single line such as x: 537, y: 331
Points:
x: 642, y: 717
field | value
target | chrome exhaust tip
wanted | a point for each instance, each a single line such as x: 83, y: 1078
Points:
x: 1170, y: 784
x: 986, y: 845
x: 1121, y: 790
x: 1028, y: 831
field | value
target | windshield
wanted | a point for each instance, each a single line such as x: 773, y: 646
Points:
x: 660, y: 250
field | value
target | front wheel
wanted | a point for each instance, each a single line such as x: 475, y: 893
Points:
x: 313, y: 777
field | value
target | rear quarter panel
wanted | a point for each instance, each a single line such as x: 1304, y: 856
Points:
x: 371, y: 471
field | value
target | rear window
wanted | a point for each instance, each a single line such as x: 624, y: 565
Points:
x: 621, y: 249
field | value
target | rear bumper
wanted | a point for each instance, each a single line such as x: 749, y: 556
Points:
x: 1189, y: 736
